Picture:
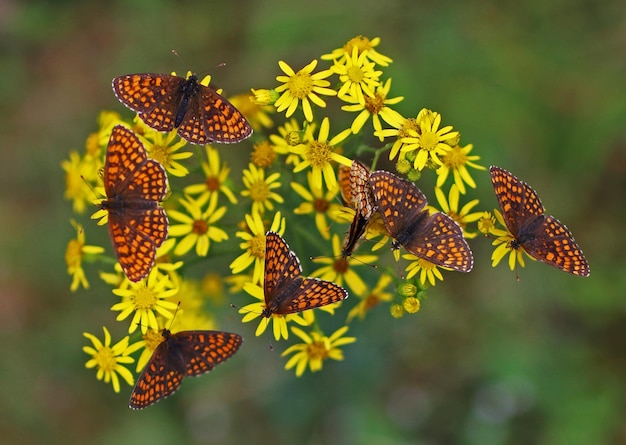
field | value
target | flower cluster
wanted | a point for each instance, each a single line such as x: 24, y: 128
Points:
x: 219, y: 215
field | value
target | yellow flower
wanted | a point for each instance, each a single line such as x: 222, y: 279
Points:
x: 462, y: 217
x: 254, y: 244
x: 74, y: 254
x: 110, y: 359
x: 302, y: 87
x: 145, y: 298
x: 290, y: 135
x: 363, y: 44
x: 77, y: 189
x: 375, y: 106
x: 429, y: 140
x: 255, y: 310
x: 264, y: 97
x: 216, y: 177
x: 263, y: 154
x: 259, y: 188
x: 428, y: 271
x: 357, y: 75
x: 318, y: 202
x: 338, y: 269
x: 319, y: 153
x: 257, y: 114
x: 198, y: 226
x: 315, y: 349
x: 401, y: 130
x: 457, y: 159
x: 506, y: 243
x: 486, y: 223
x: 158, y: 147
x: 411, y: 305
x: 372, y: 299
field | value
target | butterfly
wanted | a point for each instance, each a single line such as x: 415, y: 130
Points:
x: 433, y: 237
x: 134, y: 186
x: 165, y: 102
x: 358, y: 195
x: 184, y: 354
x: 286, y: 290
x: 542, y: 236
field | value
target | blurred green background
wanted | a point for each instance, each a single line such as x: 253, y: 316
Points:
x: 538, y: 88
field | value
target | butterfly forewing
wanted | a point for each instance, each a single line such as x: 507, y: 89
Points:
x: 186, y: 353
x: 124, y: 158
x: 517, y: 200
x: 343, y: 177
x: 165, y: 102
x: 542, y: 236
x: 286, y: 291
x: 281, y: 264
x: 399, y: 201
x: 143, y: 92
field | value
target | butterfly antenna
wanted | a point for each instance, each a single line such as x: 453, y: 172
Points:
x: 90, y: 187
x: 174, y: 316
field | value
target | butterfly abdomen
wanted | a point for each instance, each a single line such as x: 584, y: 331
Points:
x: 120, y: 205
x: 409, y: 232
x: 188, y: 89
x: 285, y: 289
x: 530, y: 230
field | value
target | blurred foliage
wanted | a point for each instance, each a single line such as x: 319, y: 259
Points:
x: 537, y: 87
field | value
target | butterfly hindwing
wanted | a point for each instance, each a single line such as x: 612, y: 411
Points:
x: 440, y: 241
x: 312, y: 293
x: 361, y: 190
x: 222, y: 122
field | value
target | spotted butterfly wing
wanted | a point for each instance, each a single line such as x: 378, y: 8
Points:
x: 436, y: 238
x: 362, y: 193
x: 286, y: 290
x: 134, y: 186
x: 165, y: 102
x: 363, y: 202
x: 542, y: 236
x: 343, y: 178
x: 184, y: 354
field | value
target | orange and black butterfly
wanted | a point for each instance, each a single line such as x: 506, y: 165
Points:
x: 165, y: 102
x: 433, y: 237
x: 134, y: 186
x: 357, y: 194
x: 184, y: 354
x: 286, y: 290
x: 542, y: 236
